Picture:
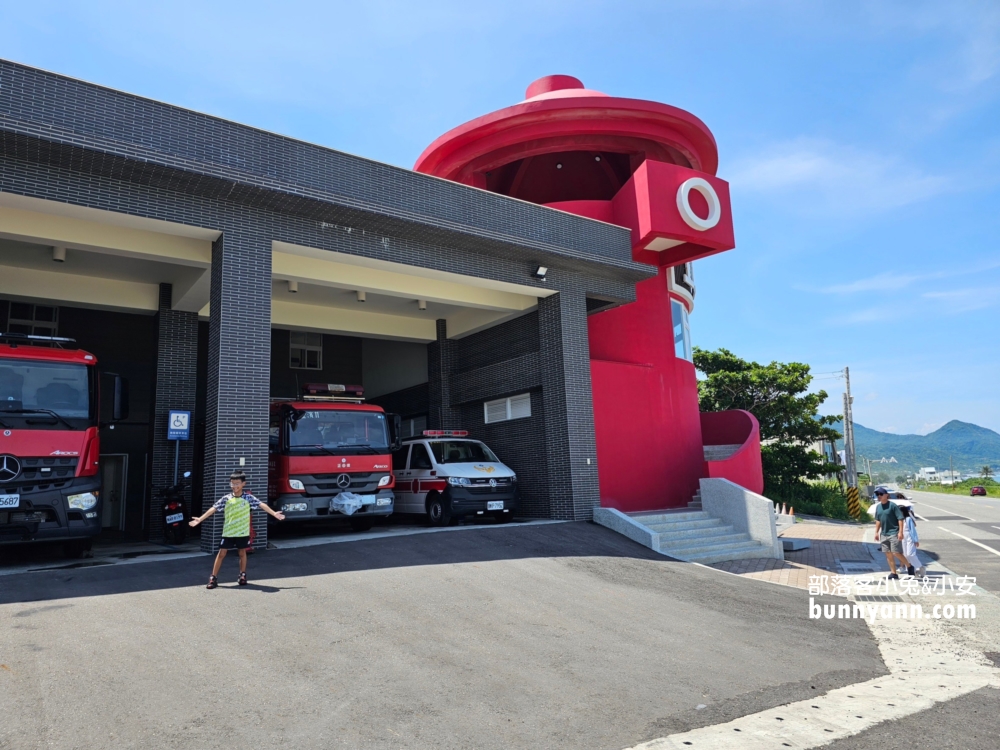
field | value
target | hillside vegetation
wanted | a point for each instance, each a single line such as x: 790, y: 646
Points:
x: 969, y: 446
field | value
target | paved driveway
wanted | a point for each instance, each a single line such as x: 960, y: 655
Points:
x: 552, y: 636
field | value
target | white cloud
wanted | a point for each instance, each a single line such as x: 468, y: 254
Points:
x: 880, y: 282
x: 973, y: 26
x: 967, y: 300
x: 892, y: 281
x: 819, y: 176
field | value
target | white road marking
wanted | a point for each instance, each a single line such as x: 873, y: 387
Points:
x: 926, y: 666
x: 949, y: 512
x: 973, y: 541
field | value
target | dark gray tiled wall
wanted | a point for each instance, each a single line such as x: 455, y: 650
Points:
x: 144, y: 141
x: 569, y: 408
x: 239, y: 363
x: 441, y: 411
x: 520, y: 444
x: 507, y: 340
x: 63, y: 140
x: 176, y: 386
x: 499, y: 362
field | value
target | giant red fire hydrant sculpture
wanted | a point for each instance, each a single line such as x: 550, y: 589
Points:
x: 649, y: 167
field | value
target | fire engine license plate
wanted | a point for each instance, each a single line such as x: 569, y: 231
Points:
x: 494, y: 505
x: 10, y: 501
x: 175, y: 518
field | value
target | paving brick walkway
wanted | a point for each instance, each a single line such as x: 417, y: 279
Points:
x: 831, y: 543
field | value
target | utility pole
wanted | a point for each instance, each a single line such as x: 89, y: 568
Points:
x: 850, y: 469
x: 849, y: 454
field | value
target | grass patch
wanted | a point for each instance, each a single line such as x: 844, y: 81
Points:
x: 818, y: 499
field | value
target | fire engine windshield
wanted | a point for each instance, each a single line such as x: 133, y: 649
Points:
x: 43, y: 395
x: 338, y: 432
x: 461, y: 452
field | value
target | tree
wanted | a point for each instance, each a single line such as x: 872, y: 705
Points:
x: 777, y: 395
x: 986, y: 472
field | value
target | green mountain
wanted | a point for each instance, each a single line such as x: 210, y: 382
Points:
x: 969, y: 446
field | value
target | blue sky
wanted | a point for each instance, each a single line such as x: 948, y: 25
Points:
x: 861, y: 140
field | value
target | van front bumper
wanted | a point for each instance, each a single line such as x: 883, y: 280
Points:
x: 465, y: 502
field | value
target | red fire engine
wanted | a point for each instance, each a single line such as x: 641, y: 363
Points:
x: 330, y: 455
x: 50, y: 486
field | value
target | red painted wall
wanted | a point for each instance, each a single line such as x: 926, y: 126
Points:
x: 649, y: 446
x: 627, y: 162
x: 731, y: 428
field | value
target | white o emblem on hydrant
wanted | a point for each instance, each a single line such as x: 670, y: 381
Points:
x: 684, y: 204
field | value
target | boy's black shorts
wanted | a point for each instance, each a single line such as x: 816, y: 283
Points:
x: 235, y: 542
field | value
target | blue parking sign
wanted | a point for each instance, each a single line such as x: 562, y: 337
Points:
x: 179, y: 425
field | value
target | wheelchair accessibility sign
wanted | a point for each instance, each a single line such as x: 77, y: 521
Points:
x: 179, y: 425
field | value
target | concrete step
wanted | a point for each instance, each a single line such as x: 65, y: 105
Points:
x: 646, y: 519
x: 751, y: 550
x: 730, y: 542
x: 687, y: 534
x: 710, y: 532
x: 705, y: 523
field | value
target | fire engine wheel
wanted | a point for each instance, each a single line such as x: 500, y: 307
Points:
x: 438, y: 511
x: 78, y: 548
x: 362, y: 524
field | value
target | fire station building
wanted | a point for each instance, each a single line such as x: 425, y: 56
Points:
x: 522, y: 283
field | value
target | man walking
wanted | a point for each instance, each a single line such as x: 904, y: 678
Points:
x: 888, y: 519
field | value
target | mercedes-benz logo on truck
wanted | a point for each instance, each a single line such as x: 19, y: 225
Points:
x: 344, y: 481
x: 10, y: 467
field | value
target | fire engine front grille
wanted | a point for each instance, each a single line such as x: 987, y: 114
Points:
x: 42, y: 473
x: 326, y: 484
x: 41, y: 515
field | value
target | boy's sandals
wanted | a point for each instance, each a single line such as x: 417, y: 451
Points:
x: 243, y: 579
x: 213, y: 582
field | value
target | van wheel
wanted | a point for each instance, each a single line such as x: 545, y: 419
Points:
x: 438, y: 512
x: 362, y: 524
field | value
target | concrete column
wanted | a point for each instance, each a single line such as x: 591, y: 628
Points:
x: 176, y: 383
x: 569, y: 408
x: 239, y: 363
x: 440, y: 363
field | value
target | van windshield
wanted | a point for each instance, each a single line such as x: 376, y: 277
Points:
x: 338, y: 432
x: 46, y: 395
x: 461, y: 452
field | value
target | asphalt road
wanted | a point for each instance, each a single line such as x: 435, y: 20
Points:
x: 947, y: 523
x: 966, y: 723
x: 550, y: 636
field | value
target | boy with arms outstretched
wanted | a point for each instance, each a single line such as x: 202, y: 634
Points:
x: 236, y: 529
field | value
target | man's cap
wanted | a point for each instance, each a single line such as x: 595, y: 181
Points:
x: 881, y: 491
x: 238, y: 475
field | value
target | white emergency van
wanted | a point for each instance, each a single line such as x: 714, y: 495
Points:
x: 445, y: 475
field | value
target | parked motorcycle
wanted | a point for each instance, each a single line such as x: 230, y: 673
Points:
x: 175, y: 515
